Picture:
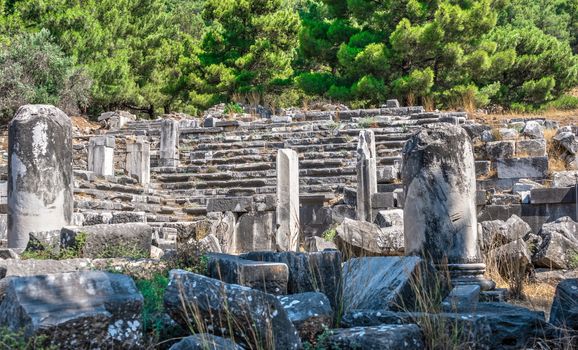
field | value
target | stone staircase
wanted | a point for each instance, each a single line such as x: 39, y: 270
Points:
x: 236, y: 159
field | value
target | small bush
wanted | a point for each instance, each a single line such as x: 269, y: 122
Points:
x: 153, y: 291
x: 564, y: 102
x: 330, y: 234
x: 368, y: 122
x: 233, y: 108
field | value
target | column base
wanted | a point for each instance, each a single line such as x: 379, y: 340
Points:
x: 464, y: 274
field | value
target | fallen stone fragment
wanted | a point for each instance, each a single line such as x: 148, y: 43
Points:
x: 109, y: 241
x: 205, y: 341
x: 362, y: 238
x: 308, y: 272
x: 259, y: 319
x: 310, y: 313
x: 264, y: 276
x: 383, y: 337
x: 389, y: 283
x: 559, y: 246
x: 77, y: 310
x: 564, y: 311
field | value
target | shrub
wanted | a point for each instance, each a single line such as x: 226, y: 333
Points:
x: 35, y: 70
x: 233, y: 108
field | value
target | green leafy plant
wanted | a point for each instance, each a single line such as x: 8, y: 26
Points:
x: 233, y: 108
x: 330, y: 234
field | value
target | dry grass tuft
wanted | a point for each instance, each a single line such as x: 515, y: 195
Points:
x: 555, y: 162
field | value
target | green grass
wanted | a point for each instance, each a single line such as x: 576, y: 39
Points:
x: 44, y: 251
x: 330, y: 234
x: 367, y: 122
x: 10, y: 340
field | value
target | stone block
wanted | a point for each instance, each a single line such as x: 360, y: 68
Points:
x: 389, y: 218
x: 535, y: 167
x: 383, y: 200
x: 138, y: 162
x: 308, y: 272
x: 232, y: 204
x: 385, y: 283
x: 361, y: 238
x: 462, y: 297
x: 101, y: 155
x: 386, y: 337
x: 254, y: 231
x: 500, y: 149
x: 204, y: 341
x: 267, y: 277
x: 77, y: 310
x: 553, y: 195
x: 565, y: 178
x: 564, y: 311
x: 109, y: 240
x: 531, y: 148
x: 310, y: 313
x: 483, y: 168
x: 259, y: 318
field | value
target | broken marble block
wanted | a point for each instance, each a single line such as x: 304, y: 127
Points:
x: 559, y: 246
x: 264, y: 276
x: 77, y: 310
x: 362, y: 238
x: 389, y: 283
x: 232, y: 204
x: 383, y: 337
x: 531, y: 148
x: 565, y: 178
x: 204, y: 303
x: 514, y: 168
x: 205, y: 341
x: 564, y: 311
x: 500, y: 149
x: 108, y: 241
x: 308, y: 272
x: 310, y: 312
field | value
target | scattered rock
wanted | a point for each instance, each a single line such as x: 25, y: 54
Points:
x: 76, y: 310
x: 205, y: 341
x: 308, y: 272
x: 310, y: 312
x: 365, y: 238
x: 564, y: 311
x: 383, y: 337
x: 559, y: 249
x: 258, y: 318
x: 388, y: 283
x: 264, y: 276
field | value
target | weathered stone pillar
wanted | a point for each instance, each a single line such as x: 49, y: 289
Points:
x: 169, y: 153
x: 366, y: 174
x: 101, y: 155
x: 138, y: 159
x: 287, y: 237
x: 440, y: 202
x: 39, y: 172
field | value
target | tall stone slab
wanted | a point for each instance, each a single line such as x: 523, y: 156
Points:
x: 101, y: 155
x: 366, y: 175
x: 169, y: 153
x: 39, y: 172
x: 138, y: 159
x: 287, y: 237
x: 440, y: 205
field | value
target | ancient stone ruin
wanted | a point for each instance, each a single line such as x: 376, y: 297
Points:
x: 385, y: 228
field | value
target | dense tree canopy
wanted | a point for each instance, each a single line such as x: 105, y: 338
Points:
x: 157, y: 56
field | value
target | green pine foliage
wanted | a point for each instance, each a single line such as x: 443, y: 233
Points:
x: 160, y: 56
